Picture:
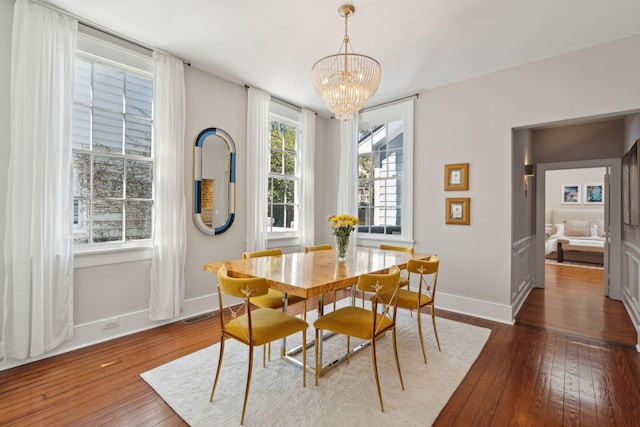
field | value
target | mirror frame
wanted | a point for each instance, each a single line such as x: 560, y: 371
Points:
x: 197, y: 181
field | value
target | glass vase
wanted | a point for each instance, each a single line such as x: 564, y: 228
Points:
x: 342, y: 247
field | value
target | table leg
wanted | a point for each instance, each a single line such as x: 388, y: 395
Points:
x: 319, y: 344
x: 285, y: 305
x: 289, y: 355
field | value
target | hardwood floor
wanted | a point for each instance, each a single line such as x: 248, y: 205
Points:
x: 525, y: 376
x: 573, y: 302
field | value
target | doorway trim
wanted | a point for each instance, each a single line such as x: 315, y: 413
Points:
x: 615, y: 215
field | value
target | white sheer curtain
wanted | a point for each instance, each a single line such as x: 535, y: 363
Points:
x: 348, y: 178
x: 308, y: 186
x: 38, y: 247
x: 348, y: 173
x: 257, y: 163
x: 170, y: 220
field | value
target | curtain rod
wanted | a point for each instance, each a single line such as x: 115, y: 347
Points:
x: 391, y: 102
x: 94, y: 26
x: 284, y: 101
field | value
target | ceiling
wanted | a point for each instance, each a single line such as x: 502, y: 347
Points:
x: 420, y: 44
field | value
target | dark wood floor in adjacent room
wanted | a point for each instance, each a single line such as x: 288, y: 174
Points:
x: 544, y: 372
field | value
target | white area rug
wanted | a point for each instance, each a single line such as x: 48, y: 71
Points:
x: 346, y: 395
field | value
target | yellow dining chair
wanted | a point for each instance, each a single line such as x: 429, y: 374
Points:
x: 317, y: 248
x: 273, y: 299
x: 253, y: 327
x: 404, y: 280
x: 427, y: 270
x: 358, y: 322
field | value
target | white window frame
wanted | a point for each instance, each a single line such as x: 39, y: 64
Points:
x: 98, y: 47
x: 399, y: 111
x: 292, y: 117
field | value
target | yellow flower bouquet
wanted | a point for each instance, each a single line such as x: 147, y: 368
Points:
x: 342, y: 226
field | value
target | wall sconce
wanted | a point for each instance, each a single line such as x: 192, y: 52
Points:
x: 529, y: 171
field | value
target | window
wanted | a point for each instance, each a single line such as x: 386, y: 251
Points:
x: 112, y: 147
x: 284, y: 172
x: 385, y: 143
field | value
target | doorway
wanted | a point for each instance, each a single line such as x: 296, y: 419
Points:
x: 575, y: 300
x: 611, y: 217
x: 575, y: 233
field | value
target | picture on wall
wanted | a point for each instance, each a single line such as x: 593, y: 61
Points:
x: 456, y: 177
x: 457, y: 211
x: 593, y: 194
x: 570, y: 194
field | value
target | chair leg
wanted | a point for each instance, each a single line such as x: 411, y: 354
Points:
x: 433, y: 320
x: 215, y: 382
x: 348, y: 349
x: 246, y: 392
x: 395, y: 352
x: 424, y: 355
x: 375, y: 371
x: 317, y: 364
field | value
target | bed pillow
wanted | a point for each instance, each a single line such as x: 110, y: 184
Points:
x: 577, y: 228
x: 558, y: 228
x: 600, y: 225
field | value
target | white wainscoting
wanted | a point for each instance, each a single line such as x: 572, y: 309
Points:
x: 631, y: 284
x: 522, y: 271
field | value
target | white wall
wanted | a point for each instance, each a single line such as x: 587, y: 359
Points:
x: 212, y: 102
x: 557, y: 178
x: 471, y: 121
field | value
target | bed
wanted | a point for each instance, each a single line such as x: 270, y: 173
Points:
x: 577, y: 235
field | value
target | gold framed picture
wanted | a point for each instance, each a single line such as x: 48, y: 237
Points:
x: 457, y: 211
x: 456, y: 177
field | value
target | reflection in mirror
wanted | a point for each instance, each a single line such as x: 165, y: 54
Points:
x: 214, y: 179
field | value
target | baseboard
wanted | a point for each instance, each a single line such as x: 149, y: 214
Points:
x: 93, y: 333
x: 474, y: 307
x: 88, y: 334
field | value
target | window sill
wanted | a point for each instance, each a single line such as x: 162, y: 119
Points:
x: 280, y: 240
x: 108, y: 256
x: 375, y: 240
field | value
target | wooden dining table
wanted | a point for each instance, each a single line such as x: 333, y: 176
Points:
x: 313, y: 274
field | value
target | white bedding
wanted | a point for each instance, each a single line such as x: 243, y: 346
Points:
x: 585, y: 244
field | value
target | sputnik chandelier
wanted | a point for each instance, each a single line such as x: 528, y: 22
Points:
x: 346, y: 80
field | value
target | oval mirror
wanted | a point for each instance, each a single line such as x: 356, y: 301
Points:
x: 214, y: 179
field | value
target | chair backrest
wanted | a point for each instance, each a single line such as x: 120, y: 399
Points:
x: 241, y: 287
x: 425, y: 267
x: 388, y: 282
x: 397, y: 248
x: 258, y: 254
x: 381, y: 284
x: 317, y: 248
